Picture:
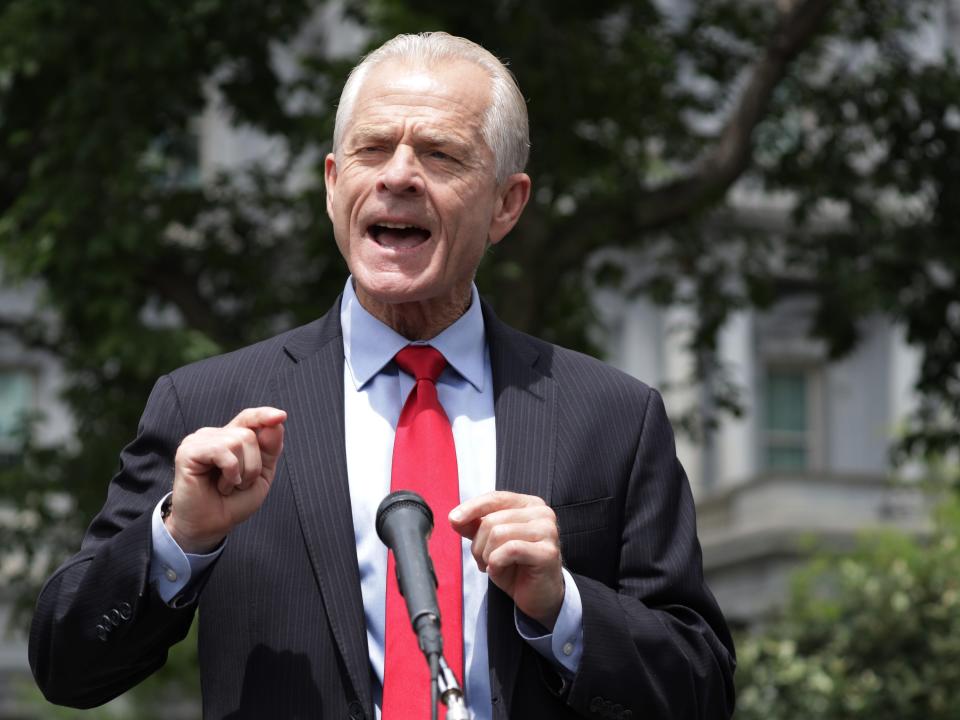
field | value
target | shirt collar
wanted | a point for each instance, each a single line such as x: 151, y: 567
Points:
x: 369, y: 345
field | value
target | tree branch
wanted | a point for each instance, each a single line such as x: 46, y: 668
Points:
x: 731, y: 154
x: 175, y: 284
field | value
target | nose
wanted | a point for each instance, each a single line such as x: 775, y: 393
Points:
x: 401, y: 174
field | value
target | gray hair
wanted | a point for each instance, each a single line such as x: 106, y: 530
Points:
x: 505, y: 127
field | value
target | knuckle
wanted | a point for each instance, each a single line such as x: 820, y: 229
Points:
x: 476, y: 549
x: 248, y: 435
x: 548, y: 526
x: 498, y: 534
x: 544, y: 513
x: 514, y: 550
x: 506, y: 551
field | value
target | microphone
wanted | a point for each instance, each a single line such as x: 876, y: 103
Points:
x: 404, y: 522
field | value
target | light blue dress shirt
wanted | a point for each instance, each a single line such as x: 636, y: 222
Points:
x: 374, y: 393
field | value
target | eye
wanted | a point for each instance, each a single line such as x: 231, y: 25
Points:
x: 442, y: 156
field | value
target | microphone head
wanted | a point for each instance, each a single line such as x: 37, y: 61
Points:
x: 406, y: 503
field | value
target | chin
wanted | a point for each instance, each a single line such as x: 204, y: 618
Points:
x: 393, y: 290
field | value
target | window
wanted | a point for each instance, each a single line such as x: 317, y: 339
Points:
x: 787, y: 419
x: 17, y: 401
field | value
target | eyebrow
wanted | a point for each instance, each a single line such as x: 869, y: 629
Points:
x: 367, y: 133
x: 440, y: 139
x: 430, y: 137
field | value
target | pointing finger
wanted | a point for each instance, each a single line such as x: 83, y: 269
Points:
x: 259, y: 417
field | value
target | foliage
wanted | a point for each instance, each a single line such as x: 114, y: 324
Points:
x: 847, y: 113
x: 872, y: 635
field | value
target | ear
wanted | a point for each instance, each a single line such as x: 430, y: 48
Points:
x: 330, y: 180
x: 512, y: 198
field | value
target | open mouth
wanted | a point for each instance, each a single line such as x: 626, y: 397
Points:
x: 398, y: 236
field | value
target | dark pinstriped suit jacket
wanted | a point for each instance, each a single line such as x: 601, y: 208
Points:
x: 282, y: 630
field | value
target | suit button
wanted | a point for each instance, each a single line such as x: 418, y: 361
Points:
x: 107, y: 621
x: 356, y: 711
x: 126, y: 612
x: 115, y: 616
x: 102, y: 633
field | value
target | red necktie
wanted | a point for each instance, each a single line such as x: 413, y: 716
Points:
x: 424, y: 461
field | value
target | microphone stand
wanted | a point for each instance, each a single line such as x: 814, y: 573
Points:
x: 450, y: 693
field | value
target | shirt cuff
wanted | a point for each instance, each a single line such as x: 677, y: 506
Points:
x: 564, y: 646
x: 170, y: 568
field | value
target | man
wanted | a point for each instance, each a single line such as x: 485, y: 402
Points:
x: 582, y: 590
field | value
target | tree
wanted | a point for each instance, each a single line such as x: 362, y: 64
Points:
x: 871, y: 635
x: 642, y: 121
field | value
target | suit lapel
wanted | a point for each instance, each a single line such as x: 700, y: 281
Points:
x: 311, y: 390
x: 525, y: 409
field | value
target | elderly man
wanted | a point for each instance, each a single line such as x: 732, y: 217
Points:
x: 569, y: 570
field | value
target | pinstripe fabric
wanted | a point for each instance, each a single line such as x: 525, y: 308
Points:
x: 597, y: 445
x: 281, y: 617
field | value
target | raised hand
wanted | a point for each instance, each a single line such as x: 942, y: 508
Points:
x: 516, y: 542
x: 222, y: 476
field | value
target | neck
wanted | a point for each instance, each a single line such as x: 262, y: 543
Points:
x: 421, y: 320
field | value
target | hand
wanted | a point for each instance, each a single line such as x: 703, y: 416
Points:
x: 516, y: 542
x: 222, y: 476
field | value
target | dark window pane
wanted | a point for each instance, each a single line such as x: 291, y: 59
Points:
x: 16, y: 402
x: 786, y: 458
x: 786, y: 401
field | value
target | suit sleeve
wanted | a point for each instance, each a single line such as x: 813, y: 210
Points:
x: 656, y: 645
x: 99, y: 626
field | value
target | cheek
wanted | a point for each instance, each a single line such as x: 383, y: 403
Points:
x: 344, y: 209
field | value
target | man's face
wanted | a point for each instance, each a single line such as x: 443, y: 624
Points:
x: 412, y: 192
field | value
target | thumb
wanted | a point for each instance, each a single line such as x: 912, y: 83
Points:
x: 270, y: 440
x: 258, y: 417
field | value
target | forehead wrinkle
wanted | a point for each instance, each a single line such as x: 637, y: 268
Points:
x: 389, y: 107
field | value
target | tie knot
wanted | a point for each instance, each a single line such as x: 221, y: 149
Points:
x: 421, y: 361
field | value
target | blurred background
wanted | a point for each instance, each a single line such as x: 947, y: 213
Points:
x: 753, y: 205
